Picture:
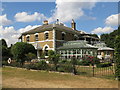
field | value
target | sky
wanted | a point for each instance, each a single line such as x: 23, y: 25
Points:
x: 90, y: 17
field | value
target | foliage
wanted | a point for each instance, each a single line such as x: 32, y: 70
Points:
x: 5, y: 50
x: 110, y: 38
x: 42, y: 65
x: 117, y: 56
x: 30, y: 56
x: 65, y: 68
x: 107, y: 64
x: 20, y: 49
x: 3, y: 42
x: 54, y: 58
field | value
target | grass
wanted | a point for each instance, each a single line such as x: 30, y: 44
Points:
x: 22, y: 78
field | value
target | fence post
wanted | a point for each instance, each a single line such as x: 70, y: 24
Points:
x: 93, y: 71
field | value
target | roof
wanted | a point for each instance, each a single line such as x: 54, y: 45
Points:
x: 102, y: 46
x: 106, y: 48
x: 50, y: 27
x: 76, y: 45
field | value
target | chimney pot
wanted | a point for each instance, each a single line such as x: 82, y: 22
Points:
x: 45, y: 22
x: 73, y: 25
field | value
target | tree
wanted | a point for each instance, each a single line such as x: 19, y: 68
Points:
x: 19, y: 51
x: 5, y: 50
x: 30, y: 56
x: 117, y: 56
x: 110, y: 38
x: 3, y: 42
x: 54, y: 58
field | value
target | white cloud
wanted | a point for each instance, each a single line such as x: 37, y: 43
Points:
x: 66, y: 10
x: 113, y: 20
x: 25, y: 17
x: 11, y: 35
x: 4, y: 20
x: 100, y: 30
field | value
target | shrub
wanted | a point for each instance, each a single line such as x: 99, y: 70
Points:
x: 30, y: 56
x: 4, y: 63
x: 107, y: 64
x: 15, y: 64
x: 30, y: 66
x: 65, y: 68
x: 42, y: 65
x: 84, y: 63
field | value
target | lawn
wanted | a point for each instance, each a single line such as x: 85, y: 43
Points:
x: 22, y: 78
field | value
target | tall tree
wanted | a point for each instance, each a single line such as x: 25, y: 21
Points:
x: 110, y: 38
x: 3, y: 42
x: 117, y: 56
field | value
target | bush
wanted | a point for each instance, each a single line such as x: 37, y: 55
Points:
x: 84, y: 63
x: 30, y: 56
x: 104, y: 64
x: 30, y: 66
x: 63, y: 61
x: 42, y: 65
x: 15, y: 64
x: 4, y: 63
x: 65, y: 68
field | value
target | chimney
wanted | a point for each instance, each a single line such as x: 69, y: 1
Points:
x: 73, y: 25
x: 57, y: 22
x: 45, y: 22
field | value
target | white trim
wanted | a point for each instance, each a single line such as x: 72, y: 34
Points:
x: 46, y: 32
x: 27, y: 35
x: 23, y: 38
x: 45, y: 46
x: 63, y: 32
x: 42, y: 41
x: 36, y: 33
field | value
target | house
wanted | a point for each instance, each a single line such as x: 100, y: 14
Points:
x: 52, y: 36
x: 77, y: 48
x: 104, y: 52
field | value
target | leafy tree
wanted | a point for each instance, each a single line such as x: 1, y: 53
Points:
x: 19, y: 51
x: 54, y: 58
x: 3, y: 42
x: 30, y: 56
x: 117, y: 56
x: 110, y: 38
x: 5, y: 50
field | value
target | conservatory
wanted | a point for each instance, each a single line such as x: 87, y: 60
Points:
x: 77, y: 49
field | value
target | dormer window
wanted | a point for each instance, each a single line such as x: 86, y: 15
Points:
x: 28, y: 38
x: 75, y: 37
x: 36, y: 37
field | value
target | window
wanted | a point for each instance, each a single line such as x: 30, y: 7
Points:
x: 36, y: 37
x: 63, y: 36
x: 28, y: 38
x: 46, y: 35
